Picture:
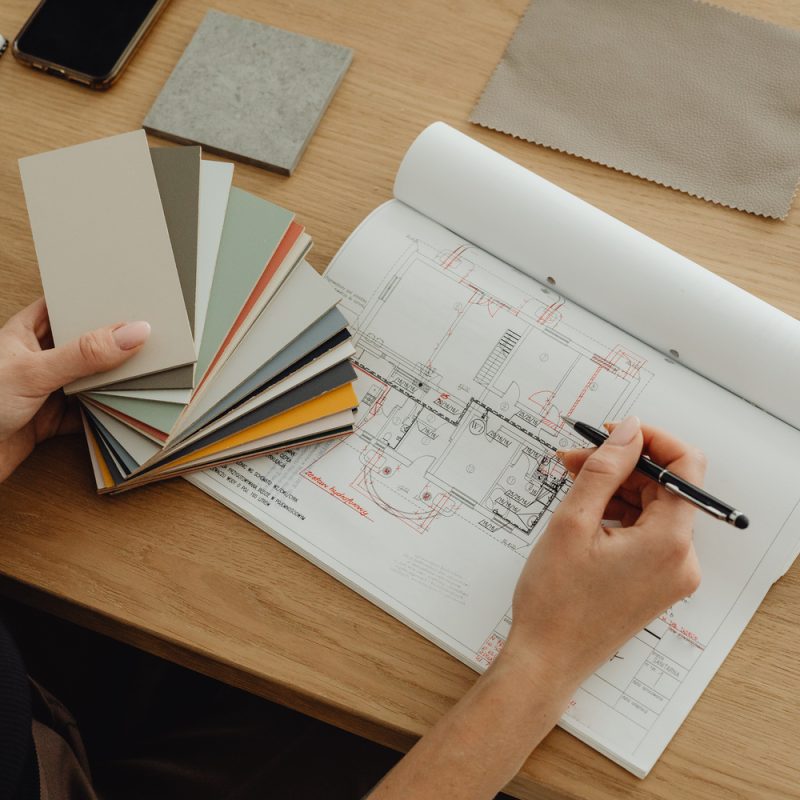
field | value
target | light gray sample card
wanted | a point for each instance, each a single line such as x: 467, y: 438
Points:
x: 177, y: 171
x: 249, y: 91
x: 104, y: 250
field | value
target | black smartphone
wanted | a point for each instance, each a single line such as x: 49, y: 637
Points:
x: 89, y: 41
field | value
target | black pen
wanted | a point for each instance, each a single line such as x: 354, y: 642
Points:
x: 669, y: 480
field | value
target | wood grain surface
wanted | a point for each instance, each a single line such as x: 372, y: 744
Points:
x: 171, y: 571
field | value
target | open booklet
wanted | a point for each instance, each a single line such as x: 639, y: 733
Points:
x: 485, y: 303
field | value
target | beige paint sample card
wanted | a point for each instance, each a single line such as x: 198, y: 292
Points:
x: 104, y: 251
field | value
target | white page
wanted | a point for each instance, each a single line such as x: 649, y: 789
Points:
x: 794, y: 552
x: 662, y: 298
x: 302, y: 299
x: 465, y: 368
x: 215, y: 185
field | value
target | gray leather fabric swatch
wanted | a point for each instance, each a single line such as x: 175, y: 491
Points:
x: 249, y: 91
x: 679, y: 92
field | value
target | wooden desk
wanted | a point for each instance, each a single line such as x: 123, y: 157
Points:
x: 169, y: 570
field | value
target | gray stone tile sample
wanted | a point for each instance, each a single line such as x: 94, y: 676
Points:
x: 249, y: 91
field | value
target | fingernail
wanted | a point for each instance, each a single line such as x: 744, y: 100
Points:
x: 625, y: 431
x: 560, y: 455
x: 131, y: 335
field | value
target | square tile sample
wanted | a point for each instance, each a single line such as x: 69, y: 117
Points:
x: 249, y: 91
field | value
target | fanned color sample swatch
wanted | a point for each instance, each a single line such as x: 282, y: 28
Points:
x: 269, y: 365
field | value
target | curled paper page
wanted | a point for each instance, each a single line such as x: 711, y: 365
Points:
x: 662, y: 298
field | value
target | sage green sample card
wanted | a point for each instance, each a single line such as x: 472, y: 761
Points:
x: 253, y: 230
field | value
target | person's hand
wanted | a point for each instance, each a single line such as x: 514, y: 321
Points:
x: 587, y: 589
x: 32, y: 372
x: 583, y: 593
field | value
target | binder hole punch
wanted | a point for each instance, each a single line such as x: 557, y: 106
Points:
x: 551, y: 280
x: 674, y: 353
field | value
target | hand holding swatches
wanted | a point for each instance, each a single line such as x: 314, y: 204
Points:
x: 32, y: 372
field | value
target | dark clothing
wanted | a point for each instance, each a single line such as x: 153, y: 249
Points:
x: 19, y: 778
x: 157, y: 731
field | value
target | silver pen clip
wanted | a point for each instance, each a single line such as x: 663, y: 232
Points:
x: 671, y: 487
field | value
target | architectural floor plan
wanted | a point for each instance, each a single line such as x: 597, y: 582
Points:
x: 464, y: 420
x: 432, y: 505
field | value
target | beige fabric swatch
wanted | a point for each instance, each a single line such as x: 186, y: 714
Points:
x: 679, y: 92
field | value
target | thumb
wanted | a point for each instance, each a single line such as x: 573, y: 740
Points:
x: 96, y: 351
x: 609, y: 466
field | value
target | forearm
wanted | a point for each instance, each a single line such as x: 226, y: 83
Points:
x: 483, y: 741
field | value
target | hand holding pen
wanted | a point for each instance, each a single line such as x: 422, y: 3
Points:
x: 656, y: 469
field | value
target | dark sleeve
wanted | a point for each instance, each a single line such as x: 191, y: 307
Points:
x: 19, y: 774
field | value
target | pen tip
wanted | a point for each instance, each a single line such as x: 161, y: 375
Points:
x: 568, y: 420
x: 741, y: 522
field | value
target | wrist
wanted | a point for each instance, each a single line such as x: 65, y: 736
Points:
x: 528, y: 695
x: 539, y: 669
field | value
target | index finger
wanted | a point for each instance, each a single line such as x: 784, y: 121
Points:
x: 686, y: 461
x: 32, y: 318
x: 662, y: 447
x: 683, y: 459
